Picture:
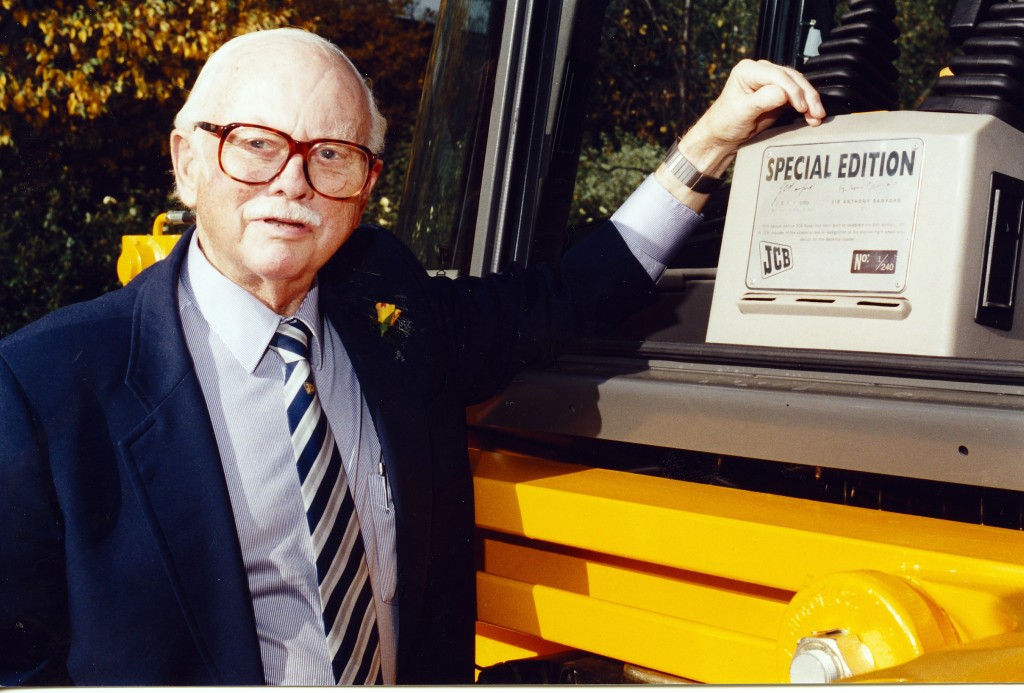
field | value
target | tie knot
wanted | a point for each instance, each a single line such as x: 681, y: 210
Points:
x: 292, y: 339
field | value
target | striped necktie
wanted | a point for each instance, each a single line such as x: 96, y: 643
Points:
x: 350, y: 618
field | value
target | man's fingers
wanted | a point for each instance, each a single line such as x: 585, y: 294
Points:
x: 769, y: 97
x: 757, y: 77
x: 806, y: 99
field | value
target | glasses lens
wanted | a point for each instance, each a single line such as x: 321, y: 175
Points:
x: 252, y: 154
x: 337, y: 169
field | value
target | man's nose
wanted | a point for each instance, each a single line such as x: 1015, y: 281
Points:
x: 292, y: 179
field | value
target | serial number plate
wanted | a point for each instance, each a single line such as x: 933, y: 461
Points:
x: 873, y: 262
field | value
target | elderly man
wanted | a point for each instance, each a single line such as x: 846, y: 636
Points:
x: 154, y: 529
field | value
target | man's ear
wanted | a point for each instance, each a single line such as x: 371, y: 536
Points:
x: 378, y: 165
x: 374, y: 175
x: 186, y: 167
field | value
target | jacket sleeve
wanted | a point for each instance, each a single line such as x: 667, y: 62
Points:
x: 521, y: 318
x: 33, y: 602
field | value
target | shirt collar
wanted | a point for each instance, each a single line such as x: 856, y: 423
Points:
x: 239, y: 319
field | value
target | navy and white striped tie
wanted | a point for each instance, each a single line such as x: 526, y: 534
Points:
x: 350, y: 618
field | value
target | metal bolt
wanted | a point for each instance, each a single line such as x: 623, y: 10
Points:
x: 829, y: 656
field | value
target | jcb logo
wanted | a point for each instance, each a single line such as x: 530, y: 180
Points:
x: 775, y: 258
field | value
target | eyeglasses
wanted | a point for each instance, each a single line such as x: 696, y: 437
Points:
x: 256, y: 154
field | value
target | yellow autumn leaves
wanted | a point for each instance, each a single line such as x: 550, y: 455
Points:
x: 65, y: 61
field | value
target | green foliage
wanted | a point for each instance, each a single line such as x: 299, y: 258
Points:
x: 60, y: 239
x: 662, y: 62
x: 609, y: 171
x: 925, y: 46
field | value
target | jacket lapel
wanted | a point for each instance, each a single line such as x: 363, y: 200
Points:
x: 396, y: 405
x: 172, y: 457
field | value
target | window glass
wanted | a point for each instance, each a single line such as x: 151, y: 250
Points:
x: 660, y: 66
x: 440, y: 199
x: 662, y: 63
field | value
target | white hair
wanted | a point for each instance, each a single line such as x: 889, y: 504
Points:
x: 208, y: 81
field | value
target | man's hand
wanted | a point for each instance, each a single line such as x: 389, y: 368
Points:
x: 752, y: 99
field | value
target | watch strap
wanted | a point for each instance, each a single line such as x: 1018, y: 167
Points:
x: 688, y: 174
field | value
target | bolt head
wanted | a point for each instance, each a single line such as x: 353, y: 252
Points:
x: 819, y: 659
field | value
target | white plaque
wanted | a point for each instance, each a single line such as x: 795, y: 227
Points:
x: 836, y: 216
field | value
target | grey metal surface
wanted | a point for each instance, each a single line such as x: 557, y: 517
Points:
x: 952, y: 432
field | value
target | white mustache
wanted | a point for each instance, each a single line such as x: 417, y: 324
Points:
x: 283, y: 210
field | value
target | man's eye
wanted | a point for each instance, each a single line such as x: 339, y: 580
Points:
x: 263, y: 148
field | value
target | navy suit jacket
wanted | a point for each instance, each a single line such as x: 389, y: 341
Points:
x: 119, y: 559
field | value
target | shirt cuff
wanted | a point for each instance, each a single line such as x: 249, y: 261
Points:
x: 654, y: 225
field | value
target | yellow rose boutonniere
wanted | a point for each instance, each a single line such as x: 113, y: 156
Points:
x: 387, y: 316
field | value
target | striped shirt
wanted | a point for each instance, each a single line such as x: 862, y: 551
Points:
x: 228, y: 331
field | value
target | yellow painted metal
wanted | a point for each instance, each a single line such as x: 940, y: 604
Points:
x: 894, y: 620
x: 977, y: 607
x: 998, y: 659
x: 696, y: 581
x: 658, y: 617
x: 139, y: 252
x: 637, y: 636
x: 753, y: 609
x: 781, y: 542
x: 495, y: 645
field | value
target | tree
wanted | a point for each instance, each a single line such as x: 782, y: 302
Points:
x: 71, y: 62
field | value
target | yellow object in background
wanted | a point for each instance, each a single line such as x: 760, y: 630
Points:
x: 139, y: 252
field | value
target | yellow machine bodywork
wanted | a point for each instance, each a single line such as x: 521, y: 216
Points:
x: 719, y: 585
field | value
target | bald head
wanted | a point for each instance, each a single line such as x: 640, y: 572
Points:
x: 242, y: 55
